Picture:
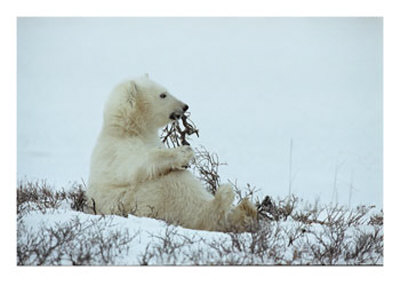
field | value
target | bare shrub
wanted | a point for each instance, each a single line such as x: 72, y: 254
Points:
x: 41, y: 196
x: 166, y: 249
x: 38, y: 196
x: 368, y: 247
x: 376, y: 219
x: 72, y: 243
x: 78, y: 196
x: 342, y: 236
x: 248, y: 192
x: 206, y: 168
x: 275, y: 211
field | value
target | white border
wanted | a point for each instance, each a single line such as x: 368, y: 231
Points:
x: 329, y: 283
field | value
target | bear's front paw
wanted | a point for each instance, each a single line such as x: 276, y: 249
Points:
x: 184, y: 155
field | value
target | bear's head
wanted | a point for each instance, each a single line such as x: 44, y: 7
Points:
x: 141, y: 105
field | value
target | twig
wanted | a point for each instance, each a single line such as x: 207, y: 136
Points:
x: 173, y: 135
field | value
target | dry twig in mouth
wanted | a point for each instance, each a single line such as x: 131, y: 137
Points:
x: 173, y: 135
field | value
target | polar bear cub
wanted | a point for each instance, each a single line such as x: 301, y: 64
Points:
x: 133, y: 173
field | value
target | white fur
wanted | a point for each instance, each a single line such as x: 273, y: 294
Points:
x: 133, y: 173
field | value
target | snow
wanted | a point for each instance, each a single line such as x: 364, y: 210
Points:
x: 144, y: 230
x: 115, y: 240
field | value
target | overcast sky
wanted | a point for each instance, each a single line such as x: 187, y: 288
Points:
x: 253, y: 85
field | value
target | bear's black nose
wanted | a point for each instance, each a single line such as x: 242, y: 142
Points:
x: 185, y: 108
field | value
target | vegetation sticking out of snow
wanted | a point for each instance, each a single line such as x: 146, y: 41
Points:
x: 54, y: 230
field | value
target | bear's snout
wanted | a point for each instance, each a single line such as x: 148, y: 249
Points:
x: 185, y: 108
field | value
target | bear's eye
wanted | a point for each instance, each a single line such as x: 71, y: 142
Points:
x: 163, y: 95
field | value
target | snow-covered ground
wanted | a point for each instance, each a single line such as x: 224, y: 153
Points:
x: 62, y: 236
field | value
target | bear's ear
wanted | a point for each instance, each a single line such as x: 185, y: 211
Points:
x: 132, y: 92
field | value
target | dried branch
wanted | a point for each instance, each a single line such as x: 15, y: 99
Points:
x: 206, y: 167
x: 176, y: 134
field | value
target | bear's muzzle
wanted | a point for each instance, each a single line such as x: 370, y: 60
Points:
x: 178, y: 114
